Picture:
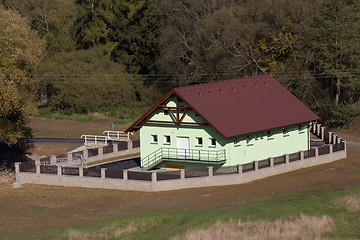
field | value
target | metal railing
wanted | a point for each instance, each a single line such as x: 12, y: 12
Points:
x: 95, y: 139
x: 117, y: 135
x: 183, y: 155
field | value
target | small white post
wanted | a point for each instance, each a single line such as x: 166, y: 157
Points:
x: 210, y: 171
x: 37, y: 165
x: 17, y: 167
x: 287, y: 158
x: 256, y: 165
x: 81, y: 172
x: 59, y: 170
x: 271, y: 162
x: 182, y: 173
x: 125, y: 174
x: 322, y: 133
x: 103, y: 172
x: 301, y: 155
x: 331, y: 148
x: 153, y: 177
x: 316, y: 152
x: 239, y: 168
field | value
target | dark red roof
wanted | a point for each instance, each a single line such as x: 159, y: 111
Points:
x: 241, y: 106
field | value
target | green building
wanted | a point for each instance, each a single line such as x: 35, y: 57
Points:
x: 223, y: 124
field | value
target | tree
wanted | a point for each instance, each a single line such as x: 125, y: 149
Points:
x: 336, y: 43
x: 52, y: 19
x: 85, y: 81
x: 20, y: 52
x: 127, y: 30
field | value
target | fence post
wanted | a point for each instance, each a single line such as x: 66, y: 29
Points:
x: 338, y: 140
x: 81, y: 172
x: 271, y: 162
x: 239, y: 168
x: 153, y: 177
x: 17, y: 167
x: 318, y: 128
x: 182, y: 173
x: 322, y: 133
x: 59, y: 170
x: 125, y: 174
x: 256, y: 165
x: 301, y: 155
x: 330, y: 137
x: 37, y: 165
x: 100, y: 151
x: 331, y: 148
x: 129, y: 145
x: 53, y: 159
x: 103, y: 172
x: 344, y: 145
x: 316, y: 152
x: 69, y: 156
x: 210, y: 171
x: 115, y: 147
x: 334, y: 139
x: 287, y: 158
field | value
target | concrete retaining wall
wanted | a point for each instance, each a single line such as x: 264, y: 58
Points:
x: 183, y: 183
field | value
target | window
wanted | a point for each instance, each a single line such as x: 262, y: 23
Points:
x: 248, y: 140
x: 167, y: 140
x: 236, y: 141
x: 285, y: 132
x: 269, y: 136
x: 166, y: 112
x: 154, y: 139
x: 199, y: 142
x: 300, y: 128
x: 212, y: 142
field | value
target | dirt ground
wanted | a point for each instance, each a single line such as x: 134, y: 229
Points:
x: 37, y: 207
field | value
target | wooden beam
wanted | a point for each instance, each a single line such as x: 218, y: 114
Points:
x: 187, y: 123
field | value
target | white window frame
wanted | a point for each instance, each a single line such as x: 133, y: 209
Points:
x: 197, y: 142
x: 154, y: 139
x: 211, y: 145
x: 165, y: 140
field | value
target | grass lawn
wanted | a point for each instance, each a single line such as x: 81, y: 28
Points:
x: 162, y: 224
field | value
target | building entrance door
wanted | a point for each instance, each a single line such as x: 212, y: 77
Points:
x: 183, y: 146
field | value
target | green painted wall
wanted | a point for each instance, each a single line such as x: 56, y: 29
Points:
x: 260, y: 146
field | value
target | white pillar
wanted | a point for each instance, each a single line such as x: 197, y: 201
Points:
x: 210, y: 171
x: 103, y: 172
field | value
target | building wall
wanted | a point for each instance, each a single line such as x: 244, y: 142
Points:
x: 259, y: 147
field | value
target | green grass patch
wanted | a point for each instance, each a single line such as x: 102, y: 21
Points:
x: 163, y: 224
x: 36, y: 210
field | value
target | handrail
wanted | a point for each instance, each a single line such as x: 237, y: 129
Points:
x: 117, y: 135
x: 185, y: 155
x: 95, y: 138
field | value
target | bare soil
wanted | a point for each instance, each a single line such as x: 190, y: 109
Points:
x: 38, y: 207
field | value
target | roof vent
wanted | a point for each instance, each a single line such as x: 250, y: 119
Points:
x: 221, y: 90
x: 209, y: 92
x: 244, y: 86
x: 266, y: 83
x: 255, y: 85
x: 234, y: 89
x: 200, y: 94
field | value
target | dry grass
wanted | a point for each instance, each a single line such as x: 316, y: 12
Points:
x: 351, y: 203
x: 113, y: 232
x: 291, y: 228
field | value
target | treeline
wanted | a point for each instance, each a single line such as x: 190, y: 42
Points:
x: 83, y: 56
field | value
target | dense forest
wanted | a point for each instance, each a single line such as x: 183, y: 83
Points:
x: 101, y: 59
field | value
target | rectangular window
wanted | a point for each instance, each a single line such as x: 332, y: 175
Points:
x: 285, y: 132
x: 248, y: 140
x: 300, y: 128
x: 167, y: 140
x: 154, y: 139
x: 199, y: 142
x: 236, y: 141
x: 166, y: 112
x: 212, y: 142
